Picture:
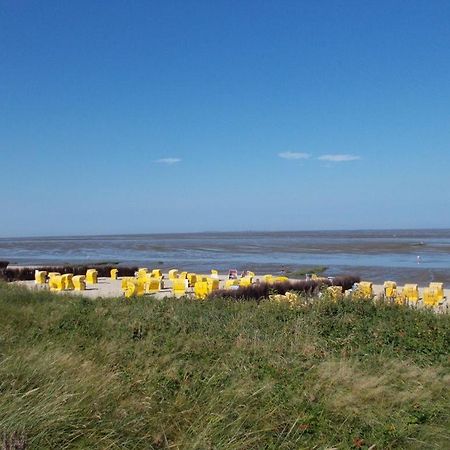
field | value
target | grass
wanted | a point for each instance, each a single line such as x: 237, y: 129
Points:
x: 183, y: 374
x: 318, y: 270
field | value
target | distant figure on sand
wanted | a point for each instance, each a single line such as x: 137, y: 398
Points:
x: 418, y: 259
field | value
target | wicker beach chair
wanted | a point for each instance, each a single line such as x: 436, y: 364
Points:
x: 430, y: 297
x: 153, y: 285
x: 213, y: 284
x: 192, y: 279
x: 40, y: 276
x: 79, y: 282
x: 439, y: 288
x: 201, y: 290
x: 246, y: 281
x: 67, y: 280
x: 179, y: 286
x: 91, y: 276
x: 410, y: 293
x: 231, y: 284
x: 134, y: 287
x: 56, y: 283
x: 173, y: 274
x: 335, y: 292
x: 390, y: 289
x: 113, y: 273
x: 157, y: 273
x: 364, y: 290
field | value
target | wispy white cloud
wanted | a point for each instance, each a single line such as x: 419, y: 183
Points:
x: 168, y: 160
x: 294, y: 155
x: 339, y: 158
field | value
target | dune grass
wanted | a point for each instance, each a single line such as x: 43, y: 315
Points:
x: 183, y: 374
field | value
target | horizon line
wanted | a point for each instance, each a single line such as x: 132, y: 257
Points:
x: 323, y: 230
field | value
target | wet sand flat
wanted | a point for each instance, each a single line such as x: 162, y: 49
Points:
x: 407, y: 256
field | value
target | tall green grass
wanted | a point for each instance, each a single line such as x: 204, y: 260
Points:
x: 183, y: 374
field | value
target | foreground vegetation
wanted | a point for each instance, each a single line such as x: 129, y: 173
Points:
x: 79, y: 373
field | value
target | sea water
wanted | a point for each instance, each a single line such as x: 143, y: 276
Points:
x: 403, y: 255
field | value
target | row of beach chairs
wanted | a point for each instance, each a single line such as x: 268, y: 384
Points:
x: 432, y: 296
x: 152, y: 281
x: 66, y: 281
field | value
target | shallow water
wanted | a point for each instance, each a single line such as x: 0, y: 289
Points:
x: 376, y: 255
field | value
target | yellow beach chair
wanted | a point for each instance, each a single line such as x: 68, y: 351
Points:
x: 67, y: 280
x: 40, y: 276
x: 230, y: 283
x: 79, y: 282
x: 123, y: 282
x: 335, y: 292
x: 268, y: 279
x: 214, y: 273
x: 410, y: 293
x: 213, y: 284
x: 153, y: 285
x: 182, y: 276
x: 280, y: 279
x: 192, y: 279
x: 56, y: 283
x: 114, y: 273
x: 179, y: 286
x: 430, y: 297
x: 439, y: 288
x: 157, y: 273
x: 201, y: 290
x: 390, y: 289
x: 134, y: 288
x: 91, y: 276
x: 173, y: 274
x: 365, y: 290
x: 245, y: 281
x: 142, y: 272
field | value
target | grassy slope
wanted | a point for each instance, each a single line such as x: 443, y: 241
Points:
x: 77, y: 373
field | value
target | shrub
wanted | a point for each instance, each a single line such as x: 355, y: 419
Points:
x: 258, y: 291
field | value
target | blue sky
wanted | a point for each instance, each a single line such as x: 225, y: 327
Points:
x: 146, y: 116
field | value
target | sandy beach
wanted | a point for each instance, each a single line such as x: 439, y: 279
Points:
x: 109, y: 288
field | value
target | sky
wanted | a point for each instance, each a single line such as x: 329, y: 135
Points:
x: 179, y: 116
